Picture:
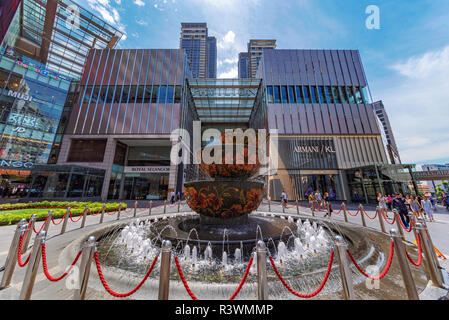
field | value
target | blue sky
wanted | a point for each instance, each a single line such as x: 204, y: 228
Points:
x: 406, y: 61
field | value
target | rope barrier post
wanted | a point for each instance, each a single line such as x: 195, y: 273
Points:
x: 119, y: 211
x: 151, y: 206
x: 262, y: 282
x: 328, y: 209
x: 313, y: 210
x: 83, y: 223
x: 11, y: 259
x: 26, y: 242
x: 102, y: 213
x: 179, y: 205
x: 432, y: 266
x: 48, y: 221
x: 164, y: 277
x: 398, y: 223
x: 381, y: 219
x: 283, y: 206
x: 135, y: 209
x: 66, y: 219
x: 297, y: 206
x: 403, y: 264
x: 165, y: 206
x: 345, y: 270
x: 33, y: 266
x: 412, y: 219
x: 430, y: 241
x: 362, y: 214
x: 269, y: 205
x: 345, y: 212
x: 86, y: 262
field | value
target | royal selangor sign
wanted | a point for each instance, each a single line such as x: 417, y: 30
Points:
x: 147, y: 170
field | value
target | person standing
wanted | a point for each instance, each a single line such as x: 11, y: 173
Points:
x: 389, y: 203
x: 312, y: 200
x: 319, y: 199
x: 172, y: 197
x: 284, y: 198
x: 427, y: 206
x: 415, y: 206
x: 399, y: 203
x: 382, y: 204
x: 327, y: 205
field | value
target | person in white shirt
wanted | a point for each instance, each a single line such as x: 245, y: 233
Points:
x: 284, y: 198
x: 172, y: 197
x: 318, y: 198
x: 427, y: 206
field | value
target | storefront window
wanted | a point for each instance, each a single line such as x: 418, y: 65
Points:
x: 87, y: 151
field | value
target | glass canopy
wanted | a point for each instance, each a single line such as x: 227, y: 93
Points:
x: 224, y: 100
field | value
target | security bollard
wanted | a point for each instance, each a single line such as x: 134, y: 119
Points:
x: 381, y: 219
x: 432, y: 266
x: 165, y: 206
x: 404, y: 266
x: 86, y: 262
x: 26, y: 242
x: 269, y: 205
x: 345, y: 213
x: 362, y: 214
x: 345, y: 270
x: 66, y: 220
x: 102, y: 213
x: 48, y: 221
x: 119, y: 211
x: 135, y: 209
x: 164, y: 277
x: 429, y: 238
x: 11, y: 259
x: 398, y: 223
x: 412, y: 219
x: 313, y: 210
x: 33, y: 266
x: 262, y: 282
x: 297, y: 207
x: 283, y: 204
x: 179, y: 205
x: 328, y: 209
x: 86, y: 210
x: 151, y: 206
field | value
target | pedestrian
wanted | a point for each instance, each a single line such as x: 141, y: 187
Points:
x: 179, y: 196
x: 312, y: 200
x: 427, y: 206
x: 319, y: 199
x: 389, y: 203
x: 172, y: 197
x: 382, y: 204
x: 446, y: 202
x: 408, y: 202
x: 327, y: 205
x: 399, y: 203
x: 415, y: 206
x: 284, y: 198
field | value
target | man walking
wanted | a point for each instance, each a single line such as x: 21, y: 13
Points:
x: 172, y: 197
x: 284, y: 198
x: 400, y: 206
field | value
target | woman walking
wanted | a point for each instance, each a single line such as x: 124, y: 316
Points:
x: 382, y: 204
x: 427, y: 206
x: 415, y: 206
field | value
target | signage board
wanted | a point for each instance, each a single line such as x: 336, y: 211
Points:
x: 147, y: 170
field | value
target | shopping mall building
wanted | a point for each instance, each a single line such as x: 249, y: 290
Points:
x: 83, y: 120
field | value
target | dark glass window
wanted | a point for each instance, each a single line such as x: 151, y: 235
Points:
x: 306, y: 94
x: 87, y: 94
x: 120, y: 154
x: 270, y: 94
x: 314, y: 94
x: 162, y: 96
x: 329, y: 97
x: 358, y: 95
x: 95, y: 93
x: 284, y: 94
x: 321, y: 94
x: 365, y: 94
x: 350, y: 94
x: 299, y: 94
x: 291, y: 94
x: 154, y: 94
x: 336, y: 94
x: 178, y: 94
x: 277, y: 94
x: 87, y: 151
x: 344, y: 95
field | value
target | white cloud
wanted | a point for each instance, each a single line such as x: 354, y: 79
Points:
x: 230, y: 74
x: 140, y: 3
x: 142, y: 22
x: 418, y: 106
x: 227, y: 41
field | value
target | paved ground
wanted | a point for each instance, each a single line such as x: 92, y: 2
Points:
x: 438, y: 230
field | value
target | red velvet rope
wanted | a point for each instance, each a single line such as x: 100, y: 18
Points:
x: 375, y: 215
x: 19, y: 254
x: 402, y: 224
x: 243, y: 280
x: 75, y: 220
x: 53, y: 220
x: 45, y: 267
x: 121, y: 295
x: 418, y: 263
x: 385, y: 218
x: 387, y: 267
x: 352, y: 215
x: 309, y: 295
x: 110, y: 214
x: 34, y: 226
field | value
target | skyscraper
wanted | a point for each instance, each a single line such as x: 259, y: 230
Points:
x: 211, y: 57
x: 392, y: 148
x: 201, y: 49
x: 243, y: 65
x: 255, y: 50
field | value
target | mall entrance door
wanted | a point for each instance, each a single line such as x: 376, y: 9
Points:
x: 146, y: 186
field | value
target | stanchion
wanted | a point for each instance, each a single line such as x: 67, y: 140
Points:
x: 313, y: 210
x: 151, y: 206
x: 179, y: 205
x: 345, y: 213
x: 33, y: 266
x: 11, y: 259
x: 297, y: 207
x: 423, y: 222
x: 165, y: 206
x: 262, y: 282
x: 103, y: 209
x: 345, y: 270
x: 119, y: 211
x: 403, y: 264
x: 164, y: 277
x: 432, y: 266
x: 362, y: 214
x: 381, y: 219
x: 283, y: 206
x: 398, y: 223
x: 269, y: 205
x: 86, y: 262
x: 412, y: 219
x: 26, y: 242
x: 83, y: 223
x: 48, y: 221
x: 66, y: 219
x: 135, y: 209
x: 328, y: 209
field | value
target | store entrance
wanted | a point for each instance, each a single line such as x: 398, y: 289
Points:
x: 324, y: 183
x: 14, y: 183
x: 150, y: 186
